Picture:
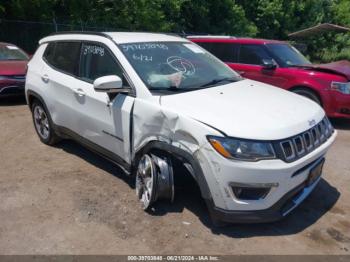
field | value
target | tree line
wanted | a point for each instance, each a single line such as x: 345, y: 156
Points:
x: 272, y: 19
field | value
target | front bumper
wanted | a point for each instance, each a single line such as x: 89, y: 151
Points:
x: 340, y: 106
x: 289, y: 179
x: 278, y: 211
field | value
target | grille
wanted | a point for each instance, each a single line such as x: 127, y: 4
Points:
x: 296, y: 147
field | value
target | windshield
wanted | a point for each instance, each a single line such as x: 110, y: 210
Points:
x: 287, y: 55
x: 177, y: 66
x: 11, y: 52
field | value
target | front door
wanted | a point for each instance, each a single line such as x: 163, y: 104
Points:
x: 103, y: 120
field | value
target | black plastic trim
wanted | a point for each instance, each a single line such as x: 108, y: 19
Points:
x: 82, y: 33
x: 271, y: 214
x: 93, y: 147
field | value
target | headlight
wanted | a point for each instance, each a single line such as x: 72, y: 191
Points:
x: 245, y: 150
x: 341, y: 87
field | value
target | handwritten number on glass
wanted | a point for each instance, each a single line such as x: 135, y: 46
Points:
x: 94, y: 50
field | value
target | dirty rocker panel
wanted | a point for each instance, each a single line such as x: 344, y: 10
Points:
x: 94, y: 147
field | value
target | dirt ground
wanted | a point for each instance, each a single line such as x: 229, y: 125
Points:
x: 67, y: 200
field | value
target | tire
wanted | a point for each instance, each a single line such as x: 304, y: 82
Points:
x: 308, y: 94
x: 145, y: 182
x: 154, y: 180
x: 43, y: 124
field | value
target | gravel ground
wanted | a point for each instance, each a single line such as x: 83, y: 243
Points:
x: 67, y: 200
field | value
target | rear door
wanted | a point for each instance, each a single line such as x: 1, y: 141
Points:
x: 102, y: 119
x: 58, y: 78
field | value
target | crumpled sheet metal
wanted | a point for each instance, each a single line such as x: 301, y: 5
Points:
x: 151, y: 122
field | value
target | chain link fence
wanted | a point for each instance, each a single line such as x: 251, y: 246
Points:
x: 26, y: 34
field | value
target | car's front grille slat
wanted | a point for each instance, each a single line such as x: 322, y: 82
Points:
x: 296, y: 147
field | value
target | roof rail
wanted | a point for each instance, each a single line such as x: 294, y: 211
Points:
x: 82, y: 33
x: 211, y: 36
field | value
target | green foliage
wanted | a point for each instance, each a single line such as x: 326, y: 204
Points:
x: 214, y: 17
x: 273, y: 19
x: 320, y: 49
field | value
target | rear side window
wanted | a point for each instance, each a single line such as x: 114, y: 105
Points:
x: 226, y: 52
x: 64, y: 56
x: 49, y: 52
x: 252, y: 54
x: 97, y: 61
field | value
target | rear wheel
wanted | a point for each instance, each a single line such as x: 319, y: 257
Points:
x: 308, y: 94
x: 43, y: 125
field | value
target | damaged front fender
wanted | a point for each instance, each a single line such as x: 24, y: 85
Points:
x: 155, y: 127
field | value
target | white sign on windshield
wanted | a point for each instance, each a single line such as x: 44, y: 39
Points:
x: 11, y: 47
x: 194, y: 48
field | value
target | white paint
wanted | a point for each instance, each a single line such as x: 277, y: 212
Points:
x: 245, y: 109
x: 248, y: 109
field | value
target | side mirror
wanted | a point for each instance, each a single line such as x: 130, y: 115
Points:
x: 109, y: 84
x: 268, y: 64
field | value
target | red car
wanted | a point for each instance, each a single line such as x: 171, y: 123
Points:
x: 13, y: 66
x: 280, y: 64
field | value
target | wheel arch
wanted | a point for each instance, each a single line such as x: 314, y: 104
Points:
x: 32, y: 96
x: 308, y: 88
x: 179, y: 154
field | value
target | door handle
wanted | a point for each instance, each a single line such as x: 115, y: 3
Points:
x: 79, y: 92
x: 241, y: 72
x: 45, y: 78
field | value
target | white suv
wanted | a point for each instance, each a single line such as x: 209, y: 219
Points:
x: 146, y: 100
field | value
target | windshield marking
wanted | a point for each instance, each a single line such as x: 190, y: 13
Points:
x: 142, y: 58
x: 175, y: 67
x: 144, y: 46
x: 181, y: 65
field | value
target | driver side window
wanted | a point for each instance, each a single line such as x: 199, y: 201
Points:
x: 97, y: 61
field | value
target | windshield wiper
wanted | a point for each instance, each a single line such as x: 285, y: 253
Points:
x: 170, y: 88
x: 177, y: 89
x: 217, y: 81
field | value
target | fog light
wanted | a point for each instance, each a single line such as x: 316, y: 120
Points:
x: 246, y: 193
x: 251, y: 191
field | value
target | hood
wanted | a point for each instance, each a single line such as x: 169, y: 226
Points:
x: 248, y: 109
x: 13, y: 67
x: 340, y: 67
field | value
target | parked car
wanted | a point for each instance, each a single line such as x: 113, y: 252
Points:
x: 280, y: 64
x: 146, y: 100
x: 13, y: 65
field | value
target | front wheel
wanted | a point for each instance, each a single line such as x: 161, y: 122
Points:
x: 43, y: 125
x: 154, y: 180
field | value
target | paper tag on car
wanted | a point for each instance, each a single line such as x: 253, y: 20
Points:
x: 194, y: 48
x: 11, y: 47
